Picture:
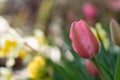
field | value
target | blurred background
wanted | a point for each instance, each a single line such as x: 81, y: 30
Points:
x: 34, y: 38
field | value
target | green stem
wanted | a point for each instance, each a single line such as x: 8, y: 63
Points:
x: 98, y: 67
x: 106, y: 70
x: 117, y: 72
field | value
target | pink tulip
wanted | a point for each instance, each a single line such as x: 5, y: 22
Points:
x: 89, y: 10
x: 83, y: 40
x: 92, y: 69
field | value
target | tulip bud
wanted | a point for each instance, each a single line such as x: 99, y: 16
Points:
x: 89, y: 10
x: 83, y: 40
x: 115, y: 32
x: 92, y: 69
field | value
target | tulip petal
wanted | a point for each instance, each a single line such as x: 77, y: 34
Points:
x: 115, y: 32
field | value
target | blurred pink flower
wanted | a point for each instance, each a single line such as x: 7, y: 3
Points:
x: 70, y: 16
x: 114, y: 5
x: 83, y: 40
x: 92, y: 69
x: 89, y: 10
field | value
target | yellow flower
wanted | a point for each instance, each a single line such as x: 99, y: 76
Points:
x: 8, y: 44
x: 22, y: 53
x: 39, y: 60
x: 34, y: 65
x: 102, y: 34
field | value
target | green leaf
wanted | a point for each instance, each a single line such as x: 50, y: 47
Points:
x: 117, y: 72
x: 29, y: 78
